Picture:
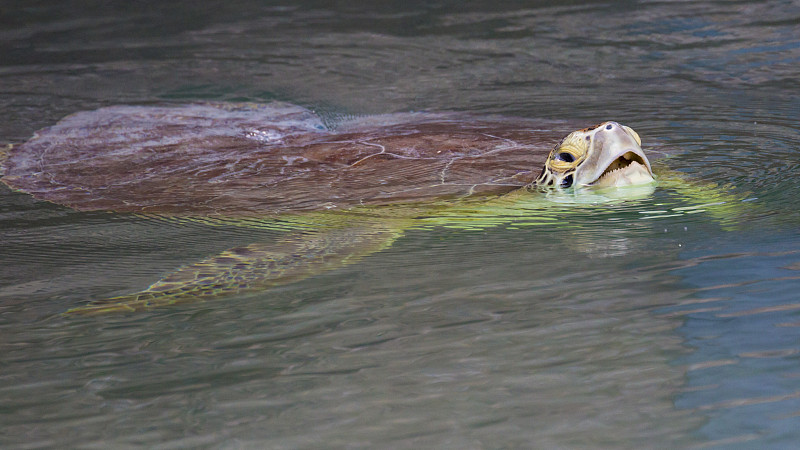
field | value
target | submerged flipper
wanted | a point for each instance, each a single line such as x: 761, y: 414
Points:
x: 254, y: 267
x: 722, y: 202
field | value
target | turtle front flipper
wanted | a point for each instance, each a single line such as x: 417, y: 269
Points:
x: 724, y: 203
x: 255, y: 267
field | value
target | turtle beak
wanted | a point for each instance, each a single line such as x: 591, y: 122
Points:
x: 615, y: 158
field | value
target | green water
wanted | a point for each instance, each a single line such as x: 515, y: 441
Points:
x: 625, y: 329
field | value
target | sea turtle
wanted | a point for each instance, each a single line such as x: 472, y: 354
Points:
x: 344, y: 191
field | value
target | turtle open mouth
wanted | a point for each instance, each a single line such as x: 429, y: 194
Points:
x: 616, y: 167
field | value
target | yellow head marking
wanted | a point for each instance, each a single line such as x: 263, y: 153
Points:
x: 569, y: 153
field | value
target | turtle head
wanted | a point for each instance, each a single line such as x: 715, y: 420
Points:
x: 606, y: 155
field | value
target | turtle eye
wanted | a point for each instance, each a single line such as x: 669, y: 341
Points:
x: 566, y: 157
x: 567, y: 181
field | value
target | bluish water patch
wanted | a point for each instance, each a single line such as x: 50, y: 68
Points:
x: 743, y: 326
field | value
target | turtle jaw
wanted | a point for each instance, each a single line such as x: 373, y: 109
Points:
x: 615, y: 158
x: 628, y: 169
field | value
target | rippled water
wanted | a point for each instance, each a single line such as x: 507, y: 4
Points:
x: 636, y: 324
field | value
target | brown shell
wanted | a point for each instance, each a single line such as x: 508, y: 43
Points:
x: 249, y: 160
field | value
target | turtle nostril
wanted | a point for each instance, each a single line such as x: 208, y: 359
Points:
x: 567, y: 181
x: 609, y: 126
